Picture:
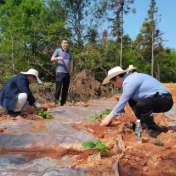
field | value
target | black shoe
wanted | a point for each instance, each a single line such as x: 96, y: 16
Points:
x: 153, y: 130
x: 144, y: 126
x: 13, y: 114
x: 133, y: 125
x: 152, y: 133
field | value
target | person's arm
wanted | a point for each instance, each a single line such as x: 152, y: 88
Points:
x: 128, y: 91
x: 55, y: 56
x: 107, y: 120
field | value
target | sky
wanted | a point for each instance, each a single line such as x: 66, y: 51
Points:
x: 166, y: 8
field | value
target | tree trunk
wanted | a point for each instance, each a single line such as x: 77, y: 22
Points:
x: 121, y: 52
x: 152, y: 64
x: 13, y: 65
x: 158, y: 69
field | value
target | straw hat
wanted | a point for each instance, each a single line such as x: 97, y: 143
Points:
x: 113, y: 72
x: 32, y: 72
x: 131, y: 67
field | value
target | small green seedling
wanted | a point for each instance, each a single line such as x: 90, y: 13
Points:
x: 72, y: 102
x: 98, y: 145
x: 106, y: 112
x: 44, y: 114
x: 58, y: 101
x: 95, y: 117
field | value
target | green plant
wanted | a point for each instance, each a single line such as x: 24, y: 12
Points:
x: 87, y: 97
x: 44, y: 114
x: 98, y: 145
x: 106, y: 112
x: 72, y: 102
x: 95, y: 117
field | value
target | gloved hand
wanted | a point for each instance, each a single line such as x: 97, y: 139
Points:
x: 37, y: 105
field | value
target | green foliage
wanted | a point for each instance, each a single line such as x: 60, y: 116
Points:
x: 96, y: 116
x: 44, y: 114
x: 88, y: 144
x: 98, y: 145
x: 30, y: 32
x: 32, y: 29
x: 106, y: 112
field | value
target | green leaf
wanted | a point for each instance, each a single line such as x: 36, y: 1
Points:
x: 49, y: 116
x: 98, y: 144
x: 88, y: 144
x: 106, y: 112
x: 105, y: 150
x: 91, y: 118
x: 96, y: 115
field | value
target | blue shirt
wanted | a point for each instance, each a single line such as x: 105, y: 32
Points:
x: 67, y: 58
x: 136, y: 86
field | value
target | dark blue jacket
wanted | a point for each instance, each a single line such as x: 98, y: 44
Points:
x: 9, y: 94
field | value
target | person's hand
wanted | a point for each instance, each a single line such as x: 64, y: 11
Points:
x: 105, y: 122
x: 60, y: 58
x: 37, y: 105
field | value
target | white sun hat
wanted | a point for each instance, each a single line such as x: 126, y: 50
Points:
x: 131, y: 67
x: 113, y: 72
x: 32, y: 72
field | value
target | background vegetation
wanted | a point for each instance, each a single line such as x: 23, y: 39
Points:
x: 30, y: 31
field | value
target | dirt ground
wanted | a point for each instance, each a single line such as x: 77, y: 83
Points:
x: 131, y: 159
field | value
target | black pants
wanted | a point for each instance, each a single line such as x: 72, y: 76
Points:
x: 62, y: 82
x: 156, y: 104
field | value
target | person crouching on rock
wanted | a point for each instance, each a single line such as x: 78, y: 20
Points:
x: 145, y: 95
x: 16, y: 95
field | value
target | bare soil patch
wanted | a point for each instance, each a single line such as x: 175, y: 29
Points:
x: 134, y: 159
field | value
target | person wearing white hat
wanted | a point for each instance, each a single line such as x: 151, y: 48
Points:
x: 131, y: 69
x: 144, y: 94
x: 16, y: 95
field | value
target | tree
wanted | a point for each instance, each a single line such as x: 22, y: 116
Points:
x: 30, y: 32
x: 82, y: 18
x: 150, y: 39
x: 120, y: 7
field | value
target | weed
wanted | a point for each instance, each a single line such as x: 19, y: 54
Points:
x: 44, y: 114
